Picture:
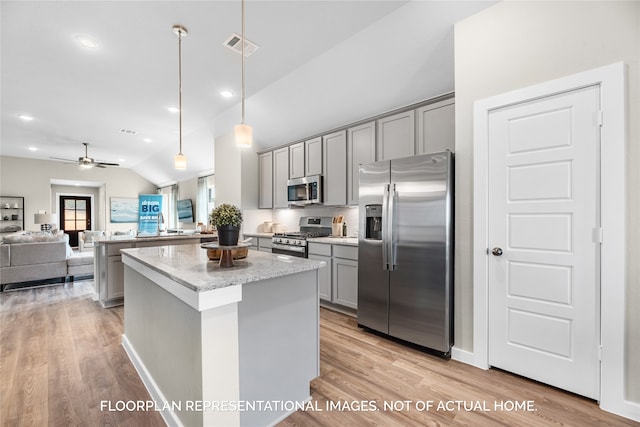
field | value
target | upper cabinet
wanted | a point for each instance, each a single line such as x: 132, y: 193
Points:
x: 361, y: 150
x: 265, y: 184
x: 296, y: 160
x: 427, y: 127
x: 396, y: 136
x: 335, y: 168
x: 313, y: 156
x: 436, y: 127
x: 280, y: 177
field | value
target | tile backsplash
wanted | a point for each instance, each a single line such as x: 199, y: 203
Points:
x: 254, y: 218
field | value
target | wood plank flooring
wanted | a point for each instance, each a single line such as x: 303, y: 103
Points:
x: 60, y: 356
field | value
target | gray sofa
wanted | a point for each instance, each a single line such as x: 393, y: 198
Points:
x: 27, y: 258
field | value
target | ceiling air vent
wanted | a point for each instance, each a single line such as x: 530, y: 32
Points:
x: 233, y: 43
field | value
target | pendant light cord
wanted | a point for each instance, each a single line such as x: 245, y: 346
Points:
x: 180, y: 84
x: 243, y: 43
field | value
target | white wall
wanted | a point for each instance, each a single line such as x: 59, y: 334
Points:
x: 517, y: 44
x: 32, y: 180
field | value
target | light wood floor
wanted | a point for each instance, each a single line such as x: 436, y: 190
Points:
x: 60, y: 355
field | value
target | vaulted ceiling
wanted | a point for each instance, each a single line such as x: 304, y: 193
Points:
x: 320, y: 65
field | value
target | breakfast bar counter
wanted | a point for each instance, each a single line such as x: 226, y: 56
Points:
x: 222, y: 346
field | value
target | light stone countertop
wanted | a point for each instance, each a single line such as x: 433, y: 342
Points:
x: 347, y: 241
x: 258, y: 235
x: 189, y: 266
x: 124, y: 238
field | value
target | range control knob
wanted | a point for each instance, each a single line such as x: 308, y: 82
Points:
x: 287, y: 241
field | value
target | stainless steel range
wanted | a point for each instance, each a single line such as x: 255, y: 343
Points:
x: 295, y: 243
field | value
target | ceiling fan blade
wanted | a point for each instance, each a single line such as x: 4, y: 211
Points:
x: 99, y: 165
x: 65, y: 160
x: 103, y: 164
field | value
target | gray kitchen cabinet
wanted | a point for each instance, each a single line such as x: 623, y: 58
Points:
x: 115, y: 284
x: 265, y: 244
x: 265, y: 184
x: 396, y: 136
x: 109, y: 278
x: 296, y: 160
x: 322, y: 252
x: 335, y: 168
x: 313, y: 156
x: 361, y: 150
x: 280, y: 177
x: 344, y: 269
x: 436, y: 127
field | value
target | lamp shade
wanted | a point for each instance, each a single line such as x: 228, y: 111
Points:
x: 180, y: 161
x: 45, y: 218
x: 244, y: 135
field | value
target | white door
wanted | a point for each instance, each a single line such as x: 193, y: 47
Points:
x: 544, y: 217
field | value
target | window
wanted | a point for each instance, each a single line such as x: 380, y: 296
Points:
x: 206, y: 198
x: 169, y: 209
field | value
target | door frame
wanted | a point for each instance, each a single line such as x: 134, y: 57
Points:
x: 611, y: 79
x: 90, y: 195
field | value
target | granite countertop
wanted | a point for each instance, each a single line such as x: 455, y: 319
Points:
x: 189, y: 266
x: 258, y: 235
x: 348, y: 241
x: 128, y: 238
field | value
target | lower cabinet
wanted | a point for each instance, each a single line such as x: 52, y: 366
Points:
x: 324, y: 276
x: 115, y: 284
x: 339, y: 280
x: 264, y: 244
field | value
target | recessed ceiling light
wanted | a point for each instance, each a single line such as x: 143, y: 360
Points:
x: 85, y: 41
x: 121, y: 160
x: 147, y: 140
x: 173, y: 109
x: 226, y: 94
x: 33, y: 148
x: 25, y: 117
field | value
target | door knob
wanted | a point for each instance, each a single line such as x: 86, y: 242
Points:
x: 496, y: 251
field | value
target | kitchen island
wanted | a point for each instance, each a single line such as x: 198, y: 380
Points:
x: 109, y: 270
x: 222, y: 346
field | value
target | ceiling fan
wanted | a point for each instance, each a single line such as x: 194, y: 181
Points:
x: 86, y: 161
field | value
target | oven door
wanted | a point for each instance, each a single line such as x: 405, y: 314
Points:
x: 297, y: 251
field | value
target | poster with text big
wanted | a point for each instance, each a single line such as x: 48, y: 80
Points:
x: 150, y: 209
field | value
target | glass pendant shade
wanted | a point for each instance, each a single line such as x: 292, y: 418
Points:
x: 180, y: 161
x: 244, y: 135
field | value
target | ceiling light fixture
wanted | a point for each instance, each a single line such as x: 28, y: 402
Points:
x: 147, y: 140
x: 226, y: 94
x: 25, y: 117
x: 180, y: 161
x: 173, y: 109
x: 33, y: 148
x: 244, y: 133
x: 86, y: 41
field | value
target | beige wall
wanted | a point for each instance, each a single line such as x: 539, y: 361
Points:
x: 516, y: 44
x: 32, y: 180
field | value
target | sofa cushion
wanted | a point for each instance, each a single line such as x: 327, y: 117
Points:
x: 35, y: 238
x: 38, y: 253
x: 80, y: 258
x: 4, y: 255
x: 28, y: 273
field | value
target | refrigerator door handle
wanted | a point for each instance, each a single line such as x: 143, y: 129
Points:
x: 391, y: 236
x: 385, y: 228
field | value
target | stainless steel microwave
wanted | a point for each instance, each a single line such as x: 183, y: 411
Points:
x: 304, y: 191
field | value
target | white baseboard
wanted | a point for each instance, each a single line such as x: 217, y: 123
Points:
x: 626, y: 408
x: 463, y: 356
x: 169, y: 417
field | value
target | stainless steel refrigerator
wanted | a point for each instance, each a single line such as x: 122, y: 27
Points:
x: 405, y: 249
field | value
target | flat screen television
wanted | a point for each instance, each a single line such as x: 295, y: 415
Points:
x: 185, y: 210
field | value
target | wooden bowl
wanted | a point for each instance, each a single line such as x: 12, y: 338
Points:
x: 214, y: 254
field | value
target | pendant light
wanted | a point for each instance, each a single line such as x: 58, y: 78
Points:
x: 180, y: 161
x: 244, y: 133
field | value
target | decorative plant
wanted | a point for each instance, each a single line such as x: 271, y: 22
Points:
x: 226, y: 214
